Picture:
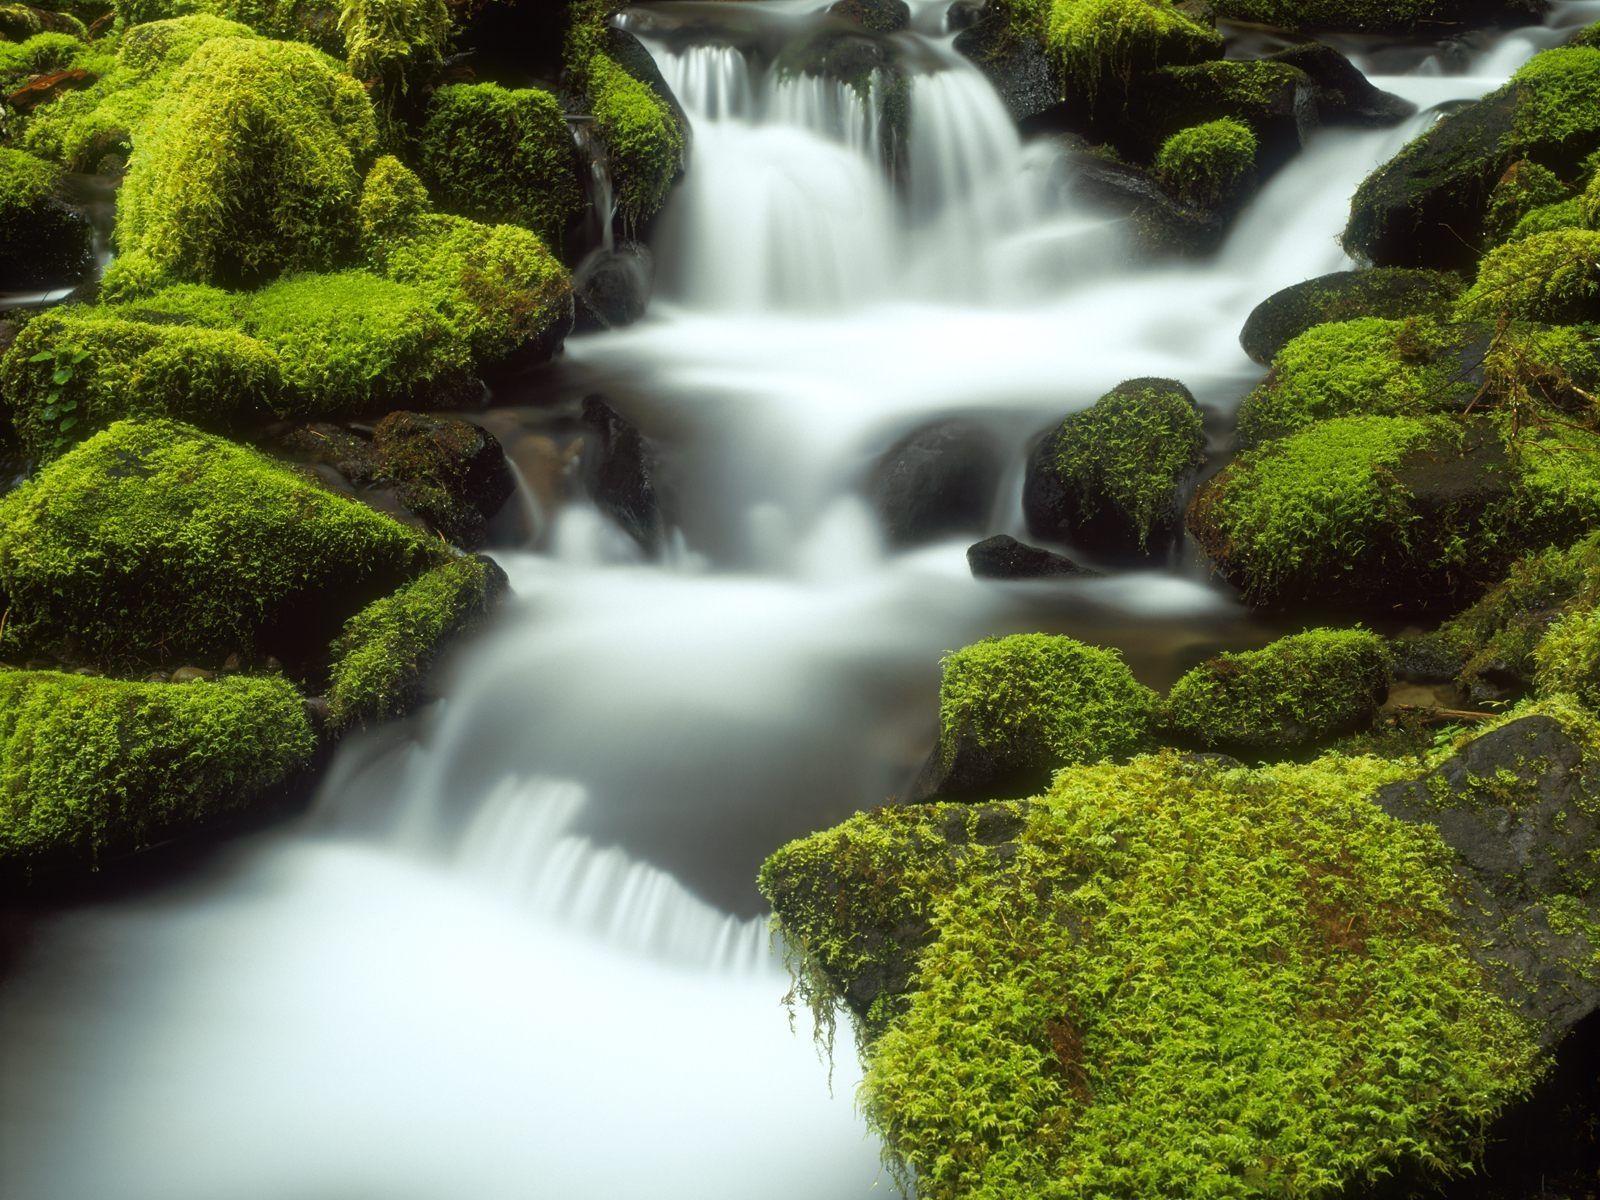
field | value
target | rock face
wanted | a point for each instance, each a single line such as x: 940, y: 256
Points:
x: 879, y: 16
x: 936, y: 482
x: 1021, y: 69
x: 1344, y: 95
x: 1520, y: 806
x: 1108, y: 478
x: 619, y: 469
x: 1003, y: 557
x: 1158, y: 223
x: 611, y: 288
x: 1342, y: 296
x: 449, y: 472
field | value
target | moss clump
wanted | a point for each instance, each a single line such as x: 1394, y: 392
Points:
x: 1207, y: 164
x: 1568, y: 214
x: 81, y: 128
x: 1298, y: 692
x: 1551, y: 277
x: 394, y: 47
x: 1257, y: 973
x: 43, y: 52
x: 75, y: 370
x: 152, y: 542
x: 502, y: 155
x: 1567, y: 659
x: 1103, y: 44
x: 249, y: 167
x: 315, y: 22
x: 351, y: 343
x: 381, y: 659
x: 642, y: 138
x: 1525, y: 187
x: 42, y: 242
x: 1016, y: 708
x: 1366, y: 367
x: 1108, y: 477
x: 94, y: 769
x: 496, y: 285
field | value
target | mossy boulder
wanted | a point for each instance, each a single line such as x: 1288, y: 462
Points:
x: 249, y: 167
x: 1391, y: 513
x: 315, y: 22
x: 42, y: 53
x: 1552, y: 277
x: 1210, y: 164
x: 1259, y: 973
x: 1372, y: 16
x: 88, y: 129
x: 1103, y: 44
x: 1014, y: 709
x: 497, y: 286
x: 502, y: 155
x: 451, y: 473
x: 1299, y: 692
x: 97, y: 769
x: 152, y: 543
x: 383, y: 657
x: 1524, y: 188
x: 1367, y: 367
x: 1566, y: 659
x: 1277, y: 101
x: 1108, y: 478
x: 43, y: 242
x: 1391, y: 292
x: 1428, y: 205
x: 643, y: 136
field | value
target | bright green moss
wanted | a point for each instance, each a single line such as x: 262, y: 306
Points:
x: 94, y: 769
x: 1300, y: 510
x: 1206, y: 164
x: 1118, y: 464
x: 313, y: 21
x: 353, y: 344
x: 1033, y: 702
x: 250, y: 165
x: 73, y: 371
x: 496, y: 285
x: 1551, y: 277
x: 382, y: 657
x: 1525, y: 187
x: 1390, y: 292
x: 643, y: 141
x: 502, y: 155
x: 1567, y: 214
x: 1567, y: 659
x: 40, y: 53
x: 152, y: 542
x: 81, y: 127
x: 186, y: 304
x: 25, y: 182
x: 1298, y: 692
x: 1104, y: 43
x: 1365, y: 367
x: 394, y: 46
x: 1163, y: 979
x: 1557, y: 91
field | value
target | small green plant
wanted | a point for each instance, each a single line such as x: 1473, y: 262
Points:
x: 59, y: 409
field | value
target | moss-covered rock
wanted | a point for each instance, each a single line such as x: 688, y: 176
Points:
x: 1371, y: 16
x: 83, y: 129
x: 315, y: 22
x: 1299, y: 692
x: 502, y: 155
x: 451, y: 473
x: 643, y: 138
x: 1163, y: 972
x: 496, y: 285
x: 1210, y: 164
x: 43, y: 243
x: 1102, y: 44
x: 1367, y: 367
x: 1344, y: 95
x: 1427, y: 206
x: 1014, y: 709
x: 1391, y: 512
x: 1108, y: 478
x: 1525, y: 187
x: 19, y: 22
x: 73, y: 371
x: 40, y: 53
x: 1566, y: 659
x: 153, y: 542
x: 1551, y: 277
x: 250, y: 166
x: 1277, y: 101
x: 1391, y: 292
x: 394, y: 47
x: 382, y: 658
x: 95, y: 769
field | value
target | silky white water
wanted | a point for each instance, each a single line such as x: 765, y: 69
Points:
x: 514, y: 950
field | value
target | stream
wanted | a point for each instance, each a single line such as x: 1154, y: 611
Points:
x: 514, y: 948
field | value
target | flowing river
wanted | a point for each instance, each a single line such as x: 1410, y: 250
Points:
x: 514, y: 949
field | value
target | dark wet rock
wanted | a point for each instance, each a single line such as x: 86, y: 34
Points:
x: 936, y: 482
x: 47, y: 244
x: 879, y: 16
x: 612, y: 287
x: 1520, y: 806
x: 964, y: 14
x: 1021, y: 70
x: 451, y: 473
x: 619, y: 469
x: 1390, y: 292
x: 1344, y: 95
x: 1159, y: 224
x: 1003, y: 557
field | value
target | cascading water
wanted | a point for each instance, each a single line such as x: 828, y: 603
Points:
x: 514, y: 950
